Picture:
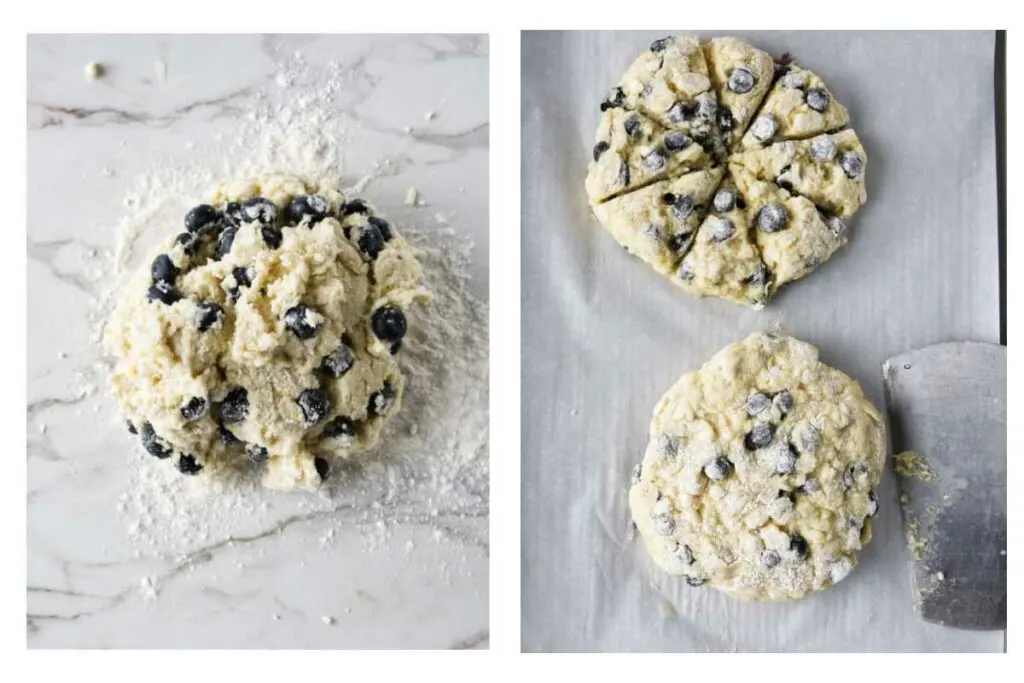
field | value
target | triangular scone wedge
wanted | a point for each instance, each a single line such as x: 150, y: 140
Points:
x: 798, y: 106
x: 658, y: 222
x: 794, y: 238
x: 827, y: 169
x: 724, y: 260
x: 741, y: 76
x: 632, y: 151
x: 669, y: 83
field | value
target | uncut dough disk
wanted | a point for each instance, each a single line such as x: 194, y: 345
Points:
x: 813, y: 168
x: 774, y: 522
x: 656, y: 230
x: 164, y: 360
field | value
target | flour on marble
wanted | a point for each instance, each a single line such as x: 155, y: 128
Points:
x: 431, y: 468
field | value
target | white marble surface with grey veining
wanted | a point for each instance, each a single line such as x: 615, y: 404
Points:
x: 370, y: 566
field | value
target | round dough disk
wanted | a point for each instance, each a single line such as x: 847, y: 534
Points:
x: 760, y: 473
x: 268, y: 352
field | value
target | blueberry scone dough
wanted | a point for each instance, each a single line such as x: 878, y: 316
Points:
x: 267, y: 330
x: 658, y: 223
x: 725, y: 260
x: 793, y: 236
x: 760, y: 475
x: 741, y: 75
x: 799, y: 105
x: 827, y: 169
x: 633, y: 151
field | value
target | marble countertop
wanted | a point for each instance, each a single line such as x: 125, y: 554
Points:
x: 395, y: 554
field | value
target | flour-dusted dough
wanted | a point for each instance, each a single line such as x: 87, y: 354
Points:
x: 827, y: 169
x: 798, y: 106
x: 658, y: 222
x: 674, y: 114
x: 725, y: 260
x: 741, y: 75
x: 801, y: 239
x: 632, y: 151
x: 760, y: 473
x: 270, y: 350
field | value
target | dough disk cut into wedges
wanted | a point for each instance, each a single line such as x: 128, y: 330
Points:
x: 669, y: 83
x: 724, y: 260
x: 760, y: 472
x: 739, y: 94
x: 827, y: 169
x: 633, y: 151
x: 799, y: 105
x: 792, y: 235
x: 658, y: 222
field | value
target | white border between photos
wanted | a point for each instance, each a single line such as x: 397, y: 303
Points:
x: 502, y: 20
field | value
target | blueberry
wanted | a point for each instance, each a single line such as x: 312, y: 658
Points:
x: 208, y: 314
x: 323, y: 468
x: 725, y: 119
x: 685, y: 554
x: 388, y: 323
x: 796, y: 80
x: 235, y: 406
x: 189, y: 242
x: 338, y: 362
x: 798, y: 545
x: 770, y: 559
x: 764, y: 128
x: 757, y: 403
x: 807, y: 437
x: 655, y: 160
x: 256, y: 453
x: 818, y: 99
x: 685, y: 271
x: 632, y: 125
x: 299, y: 320
x: 872, y: 509
x: 353, y: 206
x: 131, y: 427
x: 164, y: 270
x: 694, y: 581
x: 783, y: 401
x: 823, y: 148
x: 224, y: 242
x: 682, y: 206
x: 772, y: 217
x: 164, y: 293
x: 664, y: 525
x: 272, y: 236
x: 724, y: 200
x: 718, y: 469
x: 852, y: 164
x: 707, y: 107
x: 810, y: 485
x: 600, y: 148
x: 382, y: 225
x: 187, y: 464
x: 780, y: 71
x: 259, y: 210
x: 722, y: 229
x: 315, y: 406
x: 227, y: 437
x: 741, y: 81
x: 381, y: 401
x: 661, y: 44
x: 836, y: 225
x: 194, y: 409
x: 623, y: 178
x: 781, y: 458
x: 370, y: 241
x: 681, y: 111
x: 759, y: 437
x: 676, y: 141
x: 680, y: 241
x: 242, y: 279
x: 233, y: 214
x: 615, y: 99
x: 341, y: 427
x: 312, y: 208
x: 759, y: 276
x: 200, y: 217
x: 154, y: 445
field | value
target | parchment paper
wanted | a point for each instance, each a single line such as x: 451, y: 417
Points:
x: 604, y: 336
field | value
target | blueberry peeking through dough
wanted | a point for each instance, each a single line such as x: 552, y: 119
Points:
x: 768, y: 490
x: 268, y: 333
